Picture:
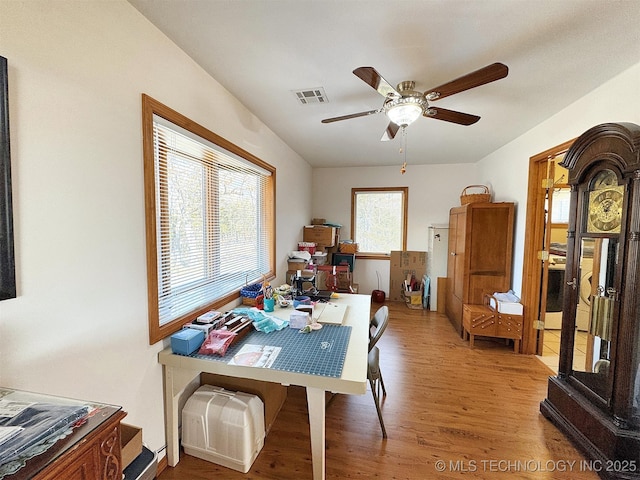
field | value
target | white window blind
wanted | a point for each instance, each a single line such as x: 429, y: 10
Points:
x: 213, y: 224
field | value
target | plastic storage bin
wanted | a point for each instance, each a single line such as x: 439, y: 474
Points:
x: 223, y: 427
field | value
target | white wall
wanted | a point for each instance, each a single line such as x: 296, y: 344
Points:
x: 433, y: 190
x: 76, y: 74
x: 506, y: 169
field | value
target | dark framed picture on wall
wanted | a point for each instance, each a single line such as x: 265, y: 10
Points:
x: 7, y: 258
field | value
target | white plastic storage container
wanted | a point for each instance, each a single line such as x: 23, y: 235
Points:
x: 223, y: 427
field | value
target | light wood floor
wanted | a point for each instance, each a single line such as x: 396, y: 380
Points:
x: 451, y: 412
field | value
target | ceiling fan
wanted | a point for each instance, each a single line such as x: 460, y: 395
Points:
x: 403, y: 105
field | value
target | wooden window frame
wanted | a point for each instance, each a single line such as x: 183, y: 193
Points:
x: 151, y: 108
x: 405, y: 208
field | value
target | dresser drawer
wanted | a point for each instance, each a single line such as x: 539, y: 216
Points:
x: 479, y: 320
x: 509, y: 326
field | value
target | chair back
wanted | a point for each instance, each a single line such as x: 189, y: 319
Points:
x: 378, y: 325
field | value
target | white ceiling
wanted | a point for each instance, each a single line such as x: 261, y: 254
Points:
x: 262, y: 50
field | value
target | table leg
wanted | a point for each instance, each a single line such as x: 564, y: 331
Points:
x: 316, y: 406
x: 175, y: 384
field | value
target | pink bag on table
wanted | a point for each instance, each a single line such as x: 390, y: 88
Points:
x: 217, y: 342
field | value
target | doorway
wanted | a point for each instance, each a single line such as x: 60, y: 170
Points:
x: 552, y: 261
x: 545, y: 253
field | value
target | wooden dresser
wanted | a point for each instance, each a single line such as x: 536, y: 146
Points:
x: 480, y: 255
x: 90, y: 452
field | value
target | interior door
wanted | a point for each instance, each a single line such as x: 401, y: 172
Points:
x: 534, y: 240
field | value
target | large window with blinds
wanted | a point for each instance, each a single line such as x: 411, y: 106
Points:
x: 379, y: 220
x: 210, y: 218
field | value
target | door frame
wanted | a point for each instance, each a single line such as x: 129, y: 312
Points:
x: 534, y: 233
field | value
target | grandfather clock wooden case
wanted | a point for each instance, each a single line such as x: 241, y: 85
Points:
x: 595, y: 398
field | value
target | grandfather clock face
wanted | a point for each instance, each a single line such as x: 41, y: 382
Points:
x: 604, y: 208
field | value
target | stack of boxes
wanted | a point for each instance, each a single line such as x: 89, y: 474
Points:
x: 322, y: 241
x: 316, y: 239
x: 326, y: 238
x: 322, y: 235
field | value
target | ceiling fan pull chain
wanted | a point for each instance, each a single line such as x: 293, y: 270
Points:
x: 403, y: 150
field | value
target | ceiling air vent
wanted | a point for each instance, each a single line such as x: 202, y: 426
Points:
x: 311, y: 95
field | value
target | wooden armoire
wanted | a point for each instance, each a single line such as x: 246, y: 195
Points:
x: 480, y: 255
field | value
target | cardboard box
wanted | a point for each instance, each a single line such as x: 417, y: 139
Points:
x: 321, y: 235
x: 414, y: 299
x: 296, y: 265
x: 144, y: 467
x: 130, y: 443
x: 348, y: 247
x: 272, y: 394
x: 403, y: 263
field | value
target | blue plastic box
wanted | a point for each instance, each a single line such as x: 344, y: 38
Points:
x: 186, y: 341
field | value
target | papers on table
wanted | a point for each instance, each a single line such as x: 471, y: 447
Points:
x: 329, y: 313
x: 260, y: 356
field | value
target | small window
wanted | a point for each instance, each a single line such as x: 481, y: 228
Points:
x: 209, y: 216
x: 379, y: 220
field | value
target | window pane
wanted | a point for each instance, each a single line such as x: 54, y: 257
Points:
x: 561, y: 204
x: 186, y: 221
x: 379, y: 221
x: 239, y: 226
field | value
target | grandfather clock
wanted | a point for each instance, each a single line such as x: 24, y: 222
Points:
x: 595, y: 398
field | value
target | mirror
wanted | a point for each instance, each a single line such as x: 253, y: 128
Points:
x: 597, y: 299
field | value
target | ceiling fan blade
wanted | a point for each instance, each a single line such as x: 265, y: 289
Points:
x: 371, y: 77
x: 451, y: 116
x: 488, y: 74
x: 353, y: 115
x: 390, y: 132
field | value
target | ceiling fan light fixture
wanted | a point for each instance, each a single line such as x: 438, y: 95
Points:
x: 404, y: 111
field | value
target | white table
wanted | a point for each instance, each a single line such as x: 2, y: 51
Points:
x: 180, y: 373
